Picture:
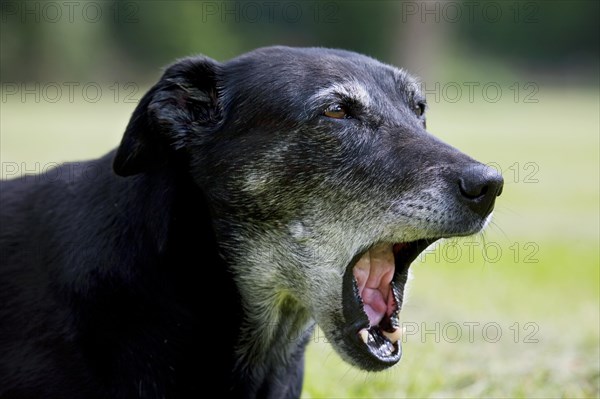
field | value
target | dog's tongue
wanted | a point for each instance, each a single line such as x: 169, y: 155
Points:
x: 373, y: 273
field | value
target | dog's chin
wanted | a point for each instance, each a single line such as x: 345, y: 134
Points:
x: 373, y: 288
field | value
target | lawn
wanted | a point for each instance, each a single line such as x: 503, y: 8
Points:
x: 513, y: 312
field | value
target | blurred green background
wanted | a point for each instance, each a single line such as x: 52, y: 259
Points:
x: 512, y: 312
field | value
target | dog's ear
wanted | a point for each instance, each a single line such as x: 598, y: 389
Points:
x: 182, y: 105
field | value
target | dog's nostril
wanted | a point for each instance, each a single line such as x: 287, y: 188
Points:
x: 472, y: 191
x: 479, y: 186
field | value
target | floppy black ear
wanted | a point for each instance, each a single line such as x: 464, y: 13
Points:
x: 182, y: 105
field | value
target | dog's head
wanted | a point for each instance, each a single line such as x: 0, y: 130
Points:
x: 324, y: 184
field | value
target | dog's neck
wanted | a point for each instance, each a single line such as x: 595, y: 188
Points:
x: 270, y: 351
x: 266, y: 330
x: 275, y: 327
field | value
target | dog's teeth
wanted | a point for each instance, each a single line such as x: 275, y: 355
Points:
x: 394, y: 336
x: 389, y: 348
x: 364, y: 335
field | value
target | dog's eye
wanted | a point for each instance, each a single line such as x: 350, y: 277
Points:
x: 336, y: 111
x: 420, y: 108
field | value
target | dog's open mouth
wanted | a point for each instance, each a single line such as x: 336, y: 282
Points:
x: 372, y: 295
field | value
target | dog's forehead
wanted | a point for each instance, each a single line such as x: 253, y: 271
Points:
x: 319, y: 73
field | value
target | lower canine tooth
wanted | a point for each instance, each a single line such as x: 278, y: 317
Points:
x: 364, y: 335
x: 393, y: 336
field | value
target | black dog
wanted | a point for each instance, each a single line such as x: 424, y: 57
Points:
x: 247, y: 200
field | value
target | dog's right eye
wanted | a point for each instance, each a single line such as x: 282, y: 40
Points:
x: 336, y: 111
x: 420, y: 109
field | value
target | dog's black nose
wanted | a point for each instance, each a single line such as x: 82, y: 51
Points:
x: 479, y: 187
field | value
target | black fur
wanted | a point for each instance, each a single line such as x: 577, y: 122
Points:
x: 117, y: 275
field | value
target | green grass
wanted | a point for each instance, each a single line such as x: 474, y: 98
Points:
x: 552, y: 283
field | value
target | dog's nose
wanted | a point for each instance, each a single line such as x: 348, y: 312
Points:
x: 479, y: 186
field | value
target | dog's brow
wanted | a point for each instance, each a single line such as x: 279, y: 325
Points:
x: 407, y: 83
x: 350, y: 89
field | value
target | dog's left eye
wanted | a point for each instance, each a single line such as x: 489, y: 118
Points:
x: 420, y: 108
x: 336, y: 111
